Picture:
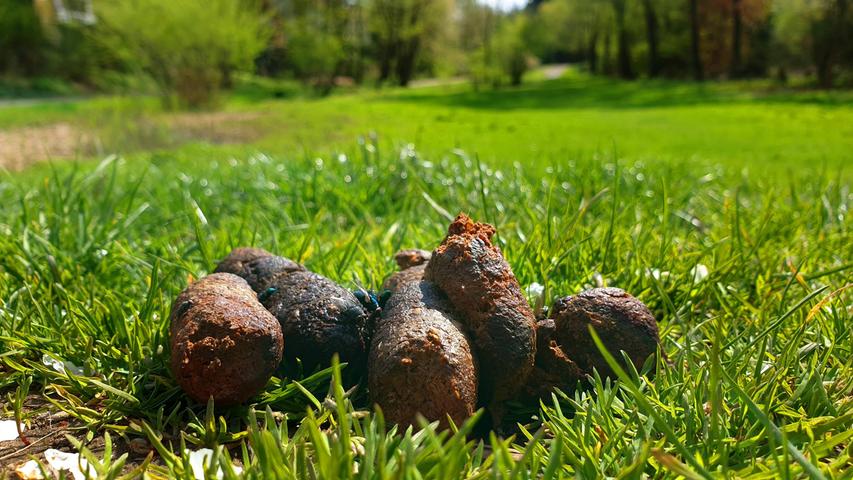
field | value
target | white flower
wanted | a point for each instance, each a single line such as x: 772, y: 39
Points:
x: 657, y: 274
x: 60, y: 366
x: 200, y: 459
x: 29, y: 471
x: 699, y: 273
x: 535, y: 290
x: 59, y: 461
x: 9, y: 430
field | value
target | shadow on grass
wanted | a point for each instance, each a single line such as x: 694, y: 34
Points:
x: 596, y: 92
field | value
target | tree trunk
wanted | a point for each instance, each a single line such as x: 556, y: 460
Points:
x: 824, y: 66
x: 388, y: 44
x: 592, y: 53
x: 386, y: 57
x: 831, y: 38
x: 652, y: 37
x: 406, y: 61
x: 624, y: 45
x: 407, y: 53
x: 737, y: 33
x: 695, y: 47
x: 606, y: 62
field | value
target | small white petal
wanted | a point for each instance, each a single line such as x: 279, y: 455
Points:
x: 200, y: 459
x: 73, y: 369
x: 9, y: 430
x: 29, y: 471
x: 657, y: 274
x: 60, y: 366
x: 535, y: 290
x: 699, y: 273
x: 53, y: 363
x: 69, y: 462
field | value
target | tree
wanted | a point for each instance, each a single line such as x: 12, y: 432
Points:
x: 695, y: 46
x: 511, y: 47
x: 623, y: 42
x: 737, y: 39
x: 314, y: 52
x: 401, y: 30
x: 652, y: 34
x: 815, y: 33
x: 830, y: 32
x: 186, y: 47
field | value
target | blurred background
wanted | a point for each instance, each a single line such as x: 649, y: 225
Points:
x: 83, y: 78
x: 189, y: 51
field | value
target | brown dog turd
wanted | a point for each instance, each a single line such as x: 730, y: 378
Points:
x: 224, y: 343
x: 474, y: 275
x: 257, y: 266
x: 412, y: 263
x: 318, y: 317
x: 421, y: 362
x: 620, y: 320
x: 553, y: 368
x: 236, y: 262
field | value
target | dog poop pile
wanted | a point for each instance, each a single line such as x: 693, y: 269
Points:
x: 455, y: 333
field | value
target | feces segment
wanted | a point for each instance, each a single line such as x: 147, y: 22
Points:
x: 318, y: 317
x: 474, y: 275
x: 421, y: 361
x: 225, y: 344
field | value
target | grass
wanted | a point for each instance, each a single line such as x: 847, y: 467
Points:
x: 744, y: 124
x: 759, y: 382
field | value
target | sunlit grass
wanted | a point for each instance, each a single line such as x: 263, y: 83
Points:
x: 747, y: 125
x: 758, y: 381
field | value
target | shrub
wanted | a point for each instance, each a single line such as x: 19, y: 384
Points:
x: 314, y: 52
x: 189, y: 48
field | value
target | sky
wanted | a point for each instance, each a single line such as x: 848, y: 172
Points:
x: 506, y: 4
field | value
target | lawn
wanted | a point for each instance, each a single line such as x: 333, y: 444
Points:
x: 747, y: 124
x: 589, y: 182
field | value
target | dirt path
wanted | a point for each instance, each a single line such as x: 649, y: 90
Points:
x: 23, y: 146
x: 554, y: 71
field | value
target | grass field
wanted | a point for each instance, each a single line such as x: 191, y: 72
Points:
x: 589, y: 182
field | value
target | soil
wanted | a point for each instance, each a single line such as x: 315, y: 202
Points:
x: 48, y: 429
x: 21, y: 147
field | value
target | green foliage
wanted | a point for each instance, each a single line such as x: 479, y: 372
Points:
x: 505, y: 55
x: 314, y: 52
x: 511, y: 47
x: 401, y: 31
x: 42, y: 56
x: 190, y: 48
x: 21, y: 36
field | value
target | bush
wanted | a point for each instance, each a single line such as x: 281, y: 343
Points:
x: 314, y: 53
x: 508, y: 58
x: 190, y: 48
x: 511, y: 48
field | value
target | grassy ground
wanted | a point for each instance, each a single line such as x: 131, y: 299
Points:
x: 744, y: 124
x: 589, y: 182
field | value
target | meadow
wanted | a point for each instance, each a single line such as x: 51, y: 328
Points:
x: 724, y: 207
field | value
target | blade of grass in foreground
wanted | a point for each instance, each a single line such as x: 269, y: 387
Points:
x: 808, y: 466
x: 647, y: 407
